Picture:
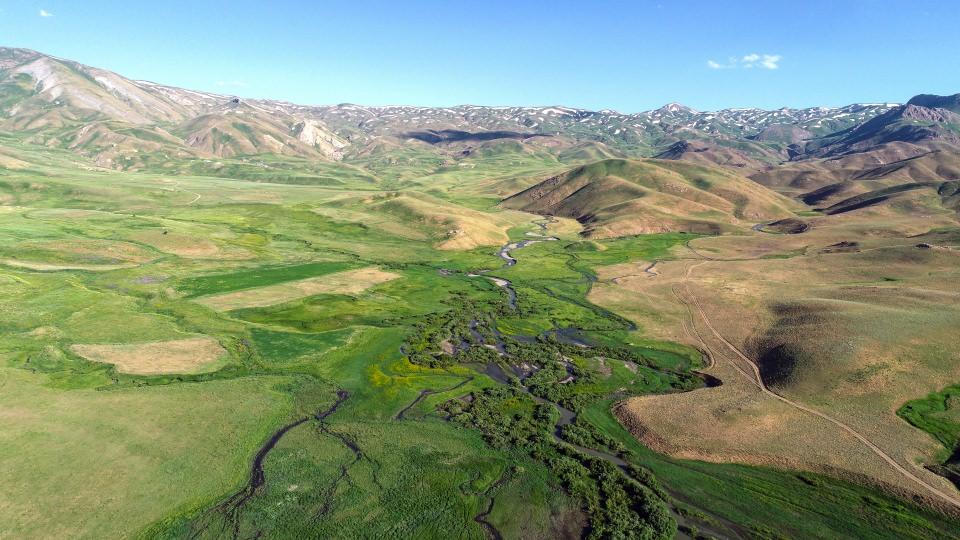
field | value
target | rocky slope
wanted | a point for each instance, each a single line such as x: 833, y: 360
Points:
x: 101, y: 114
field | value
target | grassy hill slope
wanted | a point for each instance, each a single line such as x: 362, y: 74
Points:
x: 623, y: 197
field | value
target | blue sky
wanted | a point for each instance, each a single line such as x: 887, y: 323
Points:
x: 628, y: 56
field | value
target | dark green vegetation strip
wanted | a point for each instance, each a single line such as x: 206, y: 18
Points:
x: 257, y: 277
x: 939, y: 415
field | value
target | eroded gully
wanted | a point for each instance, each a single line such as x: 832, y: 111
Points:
x: 231, y: 509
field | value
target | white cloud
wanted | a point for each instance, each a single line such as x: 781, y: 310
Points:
x: 770, y: 61
x: 748, y: 61
x: 45, y: 13
x: 762, y: 61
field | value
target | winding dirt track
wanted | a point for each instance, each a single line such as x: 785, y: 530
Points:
x: 757, y: 381
x: 176, y: 187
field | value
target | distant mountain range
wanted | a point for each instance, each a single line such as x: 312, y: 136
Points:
x: 108, y: 117
x: 819, y: 156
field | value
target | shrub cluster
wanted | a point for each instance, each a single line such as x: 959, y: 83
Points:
x: 618, y: 505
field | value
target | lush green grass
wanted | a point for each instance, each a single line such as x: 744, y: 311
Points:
x: 280, y: 347
x: 939, y: 415
x: 83, y: 463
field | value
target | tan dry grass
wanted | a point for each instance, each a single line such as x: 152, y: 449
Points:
x: 897, y: 333
x: 192, y: 355
x: 7, y: 162
x: 121, y: 251
x: 462, y: 228
x: 189, y: 246
x: 624, y: 197
x: 78, y: 254
x: 48, y: 267
x: 565, y: 228
x: 424, y: 218
x: 348, y: 282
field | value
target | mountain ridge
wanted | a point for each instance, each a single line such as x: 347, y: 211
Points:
x: 816, y: 153
x: 46, y: 93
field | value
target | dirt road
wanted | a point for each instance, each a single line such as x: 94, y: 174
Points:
x: 697, y: 310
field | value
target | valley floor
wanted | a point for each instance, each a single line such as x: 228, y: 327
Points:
x: 212, y: 358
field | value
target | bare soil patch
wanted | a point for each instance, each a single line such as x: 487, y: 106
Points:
x: 192, y: 355
x: 348, y: 282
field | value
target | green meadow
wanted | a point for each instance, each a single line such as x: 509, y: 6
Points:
x: 361, y: 414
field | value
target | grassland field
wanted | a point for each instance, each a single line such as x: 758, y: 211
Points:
x: 316, y: 419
